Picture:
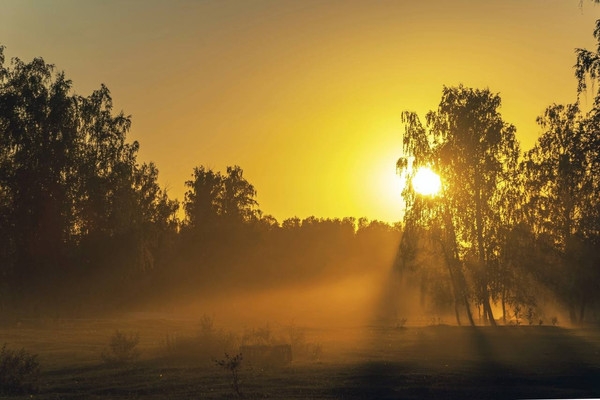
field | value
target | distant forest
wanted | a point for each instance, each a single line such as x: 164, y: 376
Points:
x: 85, y: 226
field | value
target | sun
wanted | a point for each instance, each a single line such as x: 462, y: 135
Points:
x: 426, y: 182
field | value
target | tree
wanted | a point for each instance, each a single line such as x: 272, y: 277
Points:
x: 471, y: 147
x: 38, y: 140
x: 73, y: 198
x: 238, y: 202
x: 202, y: 203
x: 563, y: 200
x: 214, y: 199
x: 154, y: 218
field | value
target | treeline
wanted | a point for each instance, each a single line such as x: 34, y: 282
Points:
x: 84, y: 225
x: 517, y: 230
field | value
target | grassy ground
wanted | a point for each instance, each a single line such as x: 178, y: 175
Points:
x: 365, y: 363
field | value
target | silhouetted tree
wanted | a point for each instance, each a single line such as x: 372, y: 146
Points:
x: 73, y: 198
x: 428, y: 218
x: 470, y: 146
x: 563, y: 196
x: 39, y: 141
x: 202, y: 203
x: 238, y: 203
x: 212, y: 197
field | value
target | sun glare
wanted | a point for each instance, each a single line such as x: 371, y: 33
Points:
x: 426, y: 182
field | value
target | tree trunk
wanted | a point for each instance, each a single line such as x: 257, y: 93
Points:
x: 452, y: 260
x: 504, y: 304
x: 454, y: 289
x: 485, y: 297
x: 456, y: 311
x: 468, y: 308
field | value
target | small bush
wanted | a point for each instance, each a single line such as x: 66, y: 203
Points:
x: 19, y: 371
x: 233, y: 365
x: 122, y: 348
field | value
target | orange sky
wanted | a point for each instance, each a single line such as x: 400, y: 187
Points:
x: 304, y: 95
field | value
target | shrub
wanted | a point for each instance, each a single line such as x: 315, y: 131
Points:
x: 233, y: 365
x: 19, y: 371
x: 122, y: 348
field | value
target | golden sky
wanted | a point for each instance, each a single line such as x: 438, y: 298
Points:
x: 304, y: 95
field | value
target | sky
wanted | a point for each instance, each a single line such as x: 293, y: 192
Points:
x: 304, y: 95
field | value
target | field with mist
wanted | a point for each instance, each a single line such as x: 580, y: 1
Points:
x: 177, y: 360
x: 115, y: 286
x: 346, y: 340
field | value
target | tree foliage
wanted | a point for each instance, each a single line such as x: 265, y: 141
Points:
x: 72, y: 192
x: 474, y: 151
x: 515, y: 228
x: 563, y: 200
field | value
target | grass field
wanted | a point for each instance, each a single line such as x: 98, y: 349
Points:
x: 356, y: 363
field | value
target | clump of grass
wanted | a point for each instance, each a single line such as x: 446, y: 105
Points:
x: 233, y: 365
x: 19, y: 371
x: 122, y: 348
